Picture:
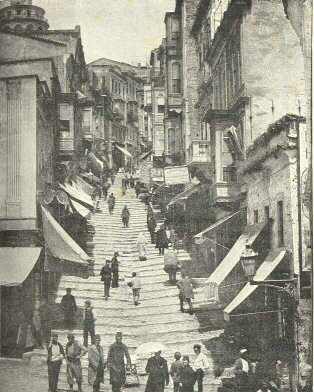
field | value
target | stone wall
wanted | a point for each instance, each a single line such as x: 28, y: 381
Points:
x: 272, y: 65
x: 190, y: 67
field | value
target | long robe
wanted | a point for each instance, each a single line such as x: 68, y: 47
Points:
x: 115, y: 363
x: 141, y: 246
x: 95, y: 365
x: 158, y: 375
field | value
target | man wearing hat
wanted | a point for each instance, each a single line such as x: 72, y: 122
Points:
x: 69, y: 308
x: 74, y: 351
x: 158, y: 375
x: 88, y: 323
x: 54, y: 361
x: 96, y: 365
x: 242, y: 370
x: 200, y: 366
x: 106, y: 276
x: 115, y: 363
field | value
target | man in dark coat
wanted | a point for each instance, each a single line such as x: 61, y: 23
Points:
x: 111, y: 203
x: 115, y: 270
x: 125, y: 216
x: 161, y: 240
x: 106, y: 275
x: 151, y: 224
x: 115, y: 363
x: 54, y: 361
x: 188, y: 376
x: 69, y: 308
x: 88, y: 323
x: 158, y: 375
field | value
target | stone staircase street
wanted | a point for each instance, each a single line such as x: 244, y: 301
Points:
x: 157, y: 318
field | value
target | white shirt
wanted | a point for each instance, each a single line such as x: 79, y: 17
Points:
x: 245, y: 365
x: 55, y: 353
x: 200, y: 362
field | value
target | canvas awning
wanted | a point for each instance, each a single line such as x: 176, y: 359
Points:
x: 60, y: 244
x: 78, y: 195
x: 80, y: 209
x: 16, y: 264
x: 248, y: 237
x: 216, y: 225
x: 190, y: 190
x: 124, y: 151
x: 81, y: 184
x: 96, y: 164
x: 272, y: 261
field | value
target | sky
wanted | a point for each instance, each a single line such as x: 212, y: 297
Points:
x: 122, y: 30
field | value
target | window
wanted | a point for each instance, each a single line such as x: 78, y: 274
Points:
x: 103, y: 82
x: 229, y: 174
x: 203, y: 149
x: 160, y: 108
x: 176, y: 80
x: 266, y: 213
x: 64, y: 125
x: 280, y: 223
x: 255, y: 216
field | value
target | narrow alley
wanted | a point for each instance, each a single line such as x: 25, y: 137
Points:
x: 157, y: 318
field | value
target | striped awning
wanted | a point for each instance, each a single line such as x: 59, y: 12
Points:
x: 124, y: 151
x: 78, y: 195
x: 272, y: 261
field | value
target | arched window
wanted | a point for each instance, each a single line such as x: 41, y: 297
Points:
x: 176, y: 78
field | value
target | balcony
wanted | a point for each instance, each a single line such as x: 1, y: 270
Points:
x: 174, y: 100
x: 66, y: 146
x: 199, y: 152
x: 225, y: 193
x: 87, y: 133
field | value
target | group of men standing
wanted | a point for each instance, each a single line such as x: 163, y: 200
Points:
x: 73, y: 353
x: 110, y: 274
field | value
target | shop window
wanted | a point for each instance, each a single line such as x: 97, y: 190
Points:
x: 255, y: 216
x: 176, y: 79
x: 280, y: 222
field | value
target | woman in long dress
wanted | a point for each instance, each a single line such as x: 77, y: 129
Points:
x: 141, y: 246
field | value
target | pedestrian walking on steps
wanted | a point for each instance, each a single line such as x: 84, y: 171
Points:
x: 54, y: 361
x: 74, y: 351
x: 175, y: 371
x: 105, y: 189
x: 69, y: 309
x: 125, y: 215
x: 136, y: 288
x: 171, y: 264
x: 117, y: 354
x: 106, y: 275
x: 115, y: 270
x: 186, y: 293
x: 188, y: 376
x: 111, y: 203
x: 161, y: 240
x: 132, y: 181
x: 141, y: 246
x: 96, y: 365
x: 137, y: 189
x: 158, y: 375
x: 151, y: 225
x: 88, y: 323
x: 200, y: 366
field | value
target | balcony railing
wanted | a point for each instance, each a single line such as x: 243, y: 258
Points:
x: 224, y: 192
x: 66, y: 145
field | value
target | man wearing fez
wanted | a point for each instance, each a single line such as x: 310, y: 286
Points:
x: 69, y: 308
x: 115, y: 363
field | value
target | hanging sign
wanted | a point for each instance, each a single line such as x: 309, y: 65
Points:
x: 176, y: 175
